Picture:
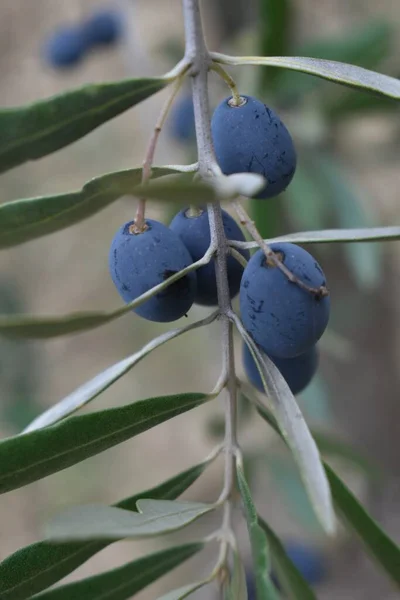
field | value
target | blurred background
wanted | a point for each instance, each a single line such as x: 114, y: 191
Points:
x: 348, y: 145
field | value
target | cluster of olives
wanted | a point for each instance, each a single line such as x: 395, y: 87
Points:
x: 284, y: 319
x: 67, y: 45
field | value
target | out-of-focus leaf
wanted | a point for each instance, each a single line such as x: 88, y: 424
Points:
x: 259, y: 546
x: 295, y: 432
x: 332, y: 446
x: 95, y: 521
x: 91, y: 389
x: 38, y: 566
x: 32, y: 456
x: 384, y: 550
x: 305, y: 200
x: 24, y: 220
x: 32, y: 131
x: 338, y: 72
x: 365, y: 259
x: 274, y: 31
x: 349, y: 103
x: 123, y: 582
x: 291, y: 580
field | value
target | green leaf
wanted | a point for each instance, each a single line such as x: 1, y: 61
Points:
x: 305, y: 202
x: 338, y: 72
x: 259, y: 547
x: 24, y: 220
x: 366, y: 47
x: 291, y: 580
x: 123, y: 582
x: 184, y: 591
x: 237, y: 589
x: 295, y: 432
x: 384, y: 550
x: 275, y: 30
x: 370, y: 234
x: 95, y: 521
x: 32, y: 456
x: 35, y: 130
x: 29, y: 326
x: 364, y: 259
x: 91, y: 389
x: 38, y: 566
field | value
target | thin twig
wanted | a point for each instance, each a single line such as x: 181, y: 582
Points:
x: 273, y: 258
x: 140, y: 223
x: 196, y: 52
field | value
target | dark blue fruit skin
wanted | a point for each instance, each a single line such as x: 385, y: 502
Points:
x: 139, y: 262
x: 309, y: 560
x: 252, y: 139
x: 195, y: 234
x: 102, y: 28
x: 298, y: 371
x: 182, y: 126
x: 65, y: 48
x: 282, y: 318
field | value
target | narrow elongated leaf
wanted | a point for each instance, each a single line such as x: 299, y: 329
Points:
x: 183, y: 592
x: 291, y: 580
x: 24, y: 220
x: 29, y: 326
x: 38, y: 566
x: 90, y: 390
x: 94, y: 521
x: 32, y: 456
x: 366, y: 47
x: 123, y: 582
x: 274, y: 32
x: 384, y: 550
x: 32, y: 131
x: 295, y: 432
x: 259, y: 546
x: 338, y: 72
x: 332, y: 236
x: 237, y: 589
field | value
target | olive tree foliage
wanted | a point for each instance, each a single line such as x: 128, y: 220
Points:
x: 58, y: 438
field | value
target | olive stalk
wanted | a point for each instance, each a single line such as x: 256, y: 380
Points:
x: 197, y: 54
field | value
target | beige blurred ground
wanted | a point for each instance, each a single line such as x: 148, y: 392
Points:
x: 68, y: 271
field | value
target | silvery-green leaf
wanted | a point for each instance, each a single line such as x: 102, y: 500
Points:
x: 338, y: 72
x: 90, y: 390
x: 370, y: 234
x: 183, y: 592
x: 295, y: 432
x: 36, y: 567
x: 94, y: 521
